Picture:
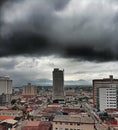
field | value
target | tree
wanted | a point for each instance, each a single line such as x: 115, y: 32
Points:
x: 13, y: 101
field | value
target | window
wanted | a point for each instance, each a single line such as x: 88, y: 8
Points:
x: 56, y: 128
x: 66, y: 128
x: 60, y: 123
x: 71, y: 123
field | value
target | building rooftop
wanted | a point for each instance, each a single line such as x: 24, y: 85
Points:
x: 81, y: 118
x: 110, y: 79
x: 32, y: 123
x: 3, y: 108
x: 71, y: 94
x: 69, y: 110
x: 37, y: 125
x: 6, y: 117
x: 11, y: 111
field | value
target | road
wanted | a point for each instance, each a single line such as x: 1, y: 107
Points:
x: 93, y: 114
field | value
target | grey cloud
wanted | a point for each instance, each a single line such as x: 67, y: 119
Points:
x: 84, y: 30
x: 8, y: 64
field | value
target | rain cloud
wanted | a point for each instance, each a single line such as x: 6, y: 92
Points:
x: 84, y: 30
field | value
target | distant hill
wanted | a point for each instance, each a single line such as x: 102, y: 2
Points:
x: 47, y: 82
x: 42, y: 82
x: 78, y: 82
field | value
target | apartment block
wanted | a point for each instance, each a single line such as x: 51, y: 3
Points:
x: 29, y: 90
x: 105, y: 93
x: 5, y: 90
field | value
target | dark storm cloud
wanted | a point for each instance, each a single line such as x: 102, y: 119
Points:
x: 84, y: 30
x: 90, y: 53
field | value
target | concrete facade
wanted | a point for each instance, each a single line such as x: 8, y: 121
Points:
x: 73, y: 122
x: 29, y: 90
x: 58, y: 84
x: 105, y: 93
x: 5, y: 90
x: 107, y: 97
x: 5, y: 85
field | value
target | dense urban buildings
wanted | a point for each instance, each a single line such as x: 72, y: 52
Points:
x: 58, y: 84
x: 29, y: 90
x: 56, y: 109
x: 5, y: 90
x: 105, y: 93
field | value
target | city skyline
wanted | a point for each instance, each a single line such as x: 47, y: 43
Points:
x: 37, y: 36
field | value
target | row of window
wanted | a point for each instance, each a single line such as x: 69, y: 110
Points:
x: 112, y: 97
x: 67, y: 123
x: 111, y: 101
x: 111, y: 105
x: 7, y: 114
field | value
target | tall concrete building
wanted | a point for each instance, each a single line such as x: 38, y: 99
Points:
x: 5, y: 90
x: 105, y: 93
x: 29, y: 90
x: 58, y: 84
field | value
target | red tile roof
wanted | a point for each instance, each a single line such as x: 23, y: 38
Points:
x: 28, y: 96
x: 37, y: 125
x: 6, y: 117
x: 32, y: 123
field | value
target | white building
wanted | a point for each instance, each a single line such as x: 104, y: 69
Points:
x: 5, y: 85
x: 5, y: 90
x: 108, y: 97
x: 105, y: 93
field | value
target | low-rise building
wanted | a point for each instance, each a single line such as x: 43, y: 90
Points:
x: 10, y: 114
x: 70, y: 96
x: 73, y: 122
x: 37, y: 125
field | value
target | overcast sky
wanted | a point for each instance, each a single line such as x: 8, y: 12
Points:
x: 79, y: 36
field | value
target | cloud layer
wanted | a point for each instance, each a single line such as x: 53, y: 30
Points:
x: 33, y: 69
x: 84, y: 30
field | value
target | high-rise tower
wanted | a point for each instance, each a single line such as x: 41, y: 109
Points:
x: 58, y: 84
